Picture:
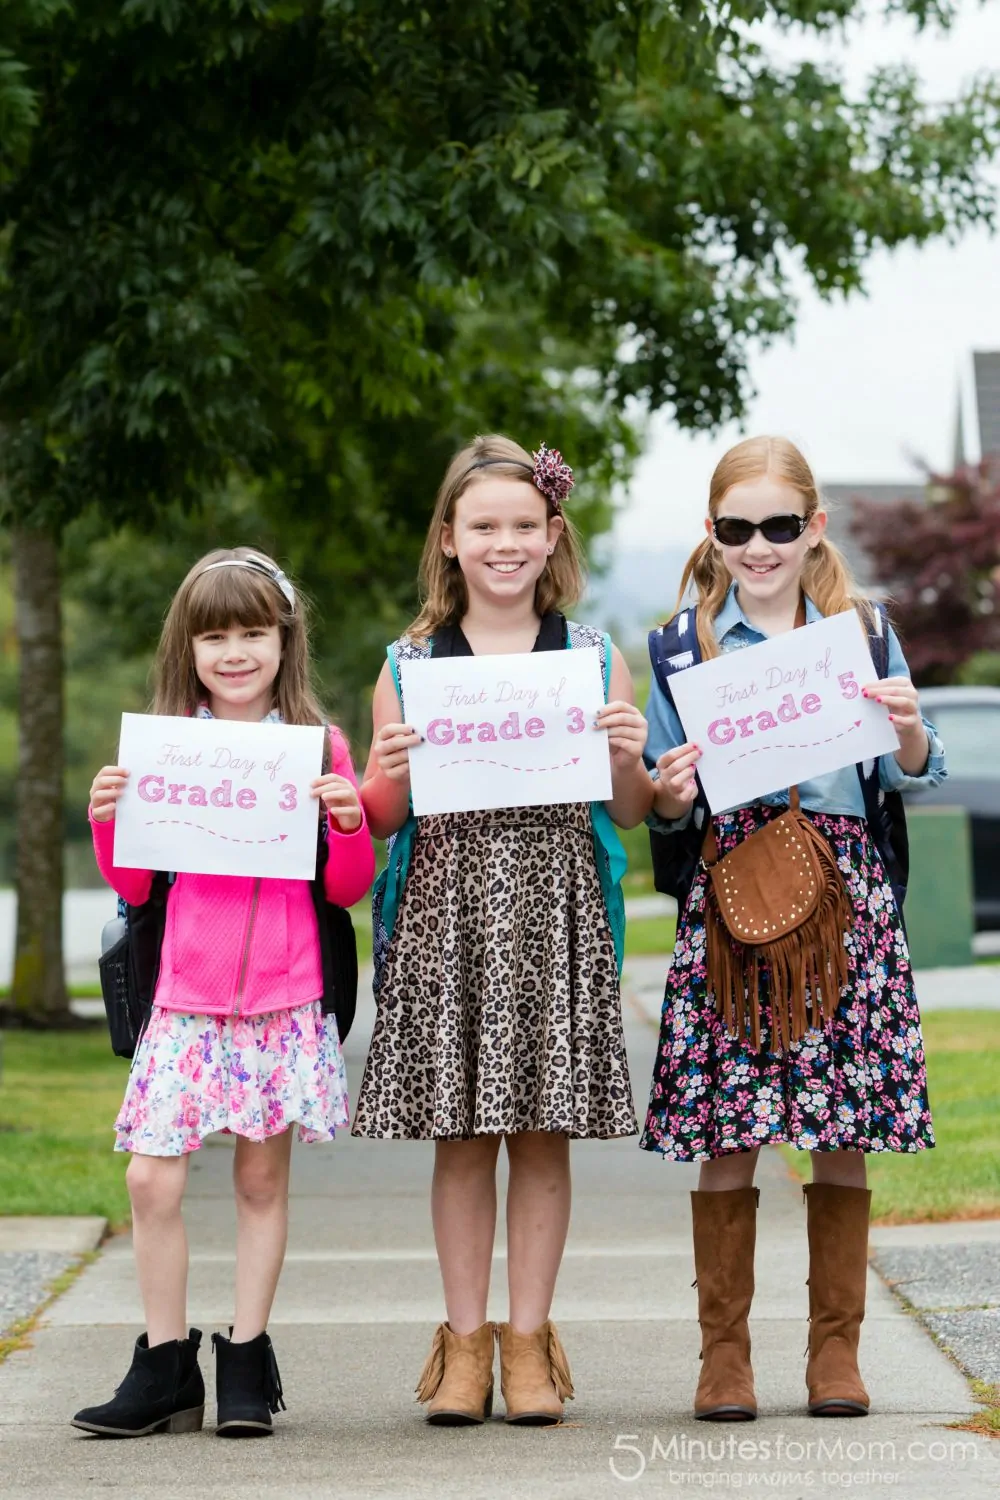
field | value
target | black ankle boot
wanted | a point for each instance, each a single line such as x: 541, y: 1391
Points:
x: 247, y: 1386
x: 163, y: 1391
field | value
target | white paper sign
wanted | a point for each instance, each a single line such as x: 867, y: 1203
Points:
x: 770, y: 716
x: 506, y: 731
x: 217, y: 797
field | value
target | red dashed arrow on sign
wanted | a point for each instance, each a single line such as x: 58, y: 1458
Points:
x: 804, y: 745
x: 226, y: 837
x: 479, y: 760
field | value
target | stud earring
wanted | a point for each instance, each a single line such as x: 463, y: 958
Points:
x: 448, y: 552
x: 551, y: 550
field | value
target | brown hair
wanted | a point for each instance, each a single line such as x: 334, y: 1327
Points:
x: 442, y: 587
x: 217, y: 600
x: 826, y: 577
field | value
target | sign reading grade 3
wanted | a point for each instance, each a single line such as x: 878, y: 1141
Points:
x: 216, y: 797
x: 774, y: 715
x: 506, y: 731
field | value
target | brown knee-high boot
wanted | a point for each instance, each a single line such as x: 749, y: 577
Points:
x: 725, y: 1234
x: 838, y: 1267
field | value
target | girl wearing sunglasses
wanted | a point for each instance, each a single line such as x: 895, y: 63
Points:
x: 854, y: 1085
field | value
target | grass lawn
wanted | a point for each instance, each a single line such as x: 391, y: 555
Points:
x: 361, y: 916
x: 960, y: 1178
x: 645, y: 935
x: 59, y: 1095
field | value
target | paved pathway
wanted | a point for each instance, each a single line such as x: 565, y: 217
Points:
x: 976, y: 987
x: 353, y: 1321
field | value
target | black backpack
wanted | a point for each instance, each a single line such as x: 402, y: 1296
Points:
x: 130, y: 963
x: 673, y: 648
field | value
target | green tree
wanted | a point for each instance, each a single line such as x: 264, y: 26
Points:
x: 939, y: 559
x: 311, y: 243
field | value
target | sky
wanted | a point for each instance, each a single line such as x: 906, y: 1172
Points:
x: 868, y: 382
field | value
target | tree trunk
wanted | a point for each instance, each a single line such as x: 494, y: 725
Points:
x: 38, y: 991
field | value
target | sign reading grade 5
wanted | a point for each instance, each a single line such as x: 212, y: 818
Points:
x: 771, y: 716
x: 506, y: 731
x: 217, y: 797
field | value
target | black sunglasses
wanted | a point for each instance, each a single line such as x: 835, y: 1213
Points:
x: 733, y: 531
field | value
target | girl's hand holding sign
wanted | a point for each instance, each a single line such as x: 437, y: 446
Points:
x: 392, y: 747
x: 340, y: 798
x: 626, y: 730
x: 109, y: 783
x: 676, y: 788
x: 901, y: 698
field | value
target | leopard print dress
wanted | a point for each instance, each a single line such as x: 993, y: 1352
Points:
x: 499, y: 1008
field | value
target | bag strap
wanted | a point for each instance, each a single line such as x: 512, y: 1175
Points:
x: 877, y: 632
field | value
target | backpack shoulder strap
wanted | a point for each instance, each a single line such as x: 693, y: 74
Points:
x: 884, y: 811
x: 405, y: 650
x: 673, y: 647
x: 877, y: 632
x: 579, y: 637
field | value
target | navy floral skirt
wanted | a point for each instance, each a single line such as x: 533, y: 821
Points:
x: 860, y: 1084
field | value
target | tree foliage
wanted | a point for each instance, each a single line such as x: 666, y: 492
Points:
x: 940, y: 562
x: 252, y: 232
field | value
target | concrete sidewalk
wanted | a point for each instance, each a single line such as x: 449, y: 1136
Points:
x: 353, y: 1320
x: 975, y: 987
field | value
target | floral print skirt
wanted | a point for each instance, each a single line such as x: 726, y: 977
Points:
x: 859, y: 1084
x: 251, y: 1075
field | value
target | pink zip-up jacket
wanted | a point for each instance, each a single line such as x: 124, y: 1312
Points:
x: 240, y: 945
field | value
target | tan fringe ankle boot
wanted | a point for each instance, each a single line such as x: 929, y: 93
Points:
x: 534, y: 1375
x: 456, y: 1382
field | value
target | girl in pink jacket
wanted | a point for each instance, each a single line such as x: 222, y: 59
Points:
x: 237, y: 1039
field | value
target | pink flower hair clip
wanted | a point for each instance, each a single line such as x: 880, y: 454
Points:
x: 552, y: 476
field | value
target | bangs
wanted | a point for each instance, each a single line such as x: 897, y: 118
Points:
x: 233, y: 596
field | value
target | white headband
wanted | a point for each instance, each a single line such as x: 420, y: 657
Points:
x: 257, y: 565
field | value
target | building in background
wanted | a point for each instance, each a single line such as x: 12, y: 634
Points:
x: 977, y: 434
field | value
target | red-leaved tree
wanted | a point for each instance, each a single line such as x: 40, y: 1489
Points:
x: 939, y: 562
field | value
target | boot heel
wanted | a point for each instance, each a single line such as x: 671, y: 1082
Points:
x: 187, y: 1421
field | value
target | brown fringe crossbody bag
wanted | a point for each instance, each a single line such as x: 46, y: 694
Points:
x: 776, y: 902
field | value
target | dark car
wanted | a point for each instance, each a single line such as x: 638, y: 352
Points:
x: 968, y: 720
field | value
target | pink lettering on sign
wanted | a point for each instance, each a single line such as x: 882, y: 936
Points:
x: 444, y: 731
x: 440, y: 732
x: 724, y: 731
x: 721, y: 732
x: 177, y: 794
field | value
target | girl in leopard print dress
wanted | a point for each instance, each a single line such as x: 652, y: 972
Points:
x: 498, y: 936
